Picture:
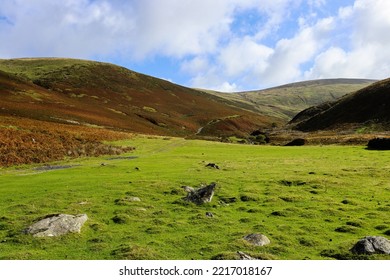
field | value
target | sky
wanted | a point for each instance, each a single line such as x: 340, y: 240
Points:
x: 225, y: 45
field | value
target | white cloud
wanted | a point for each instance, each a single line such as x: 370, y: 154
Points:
x: 283, y: 41
x: 195, y: 65
x: 290, y: 54
x: 61, y: 28
x: 244, y: 56
x: 366, y: 55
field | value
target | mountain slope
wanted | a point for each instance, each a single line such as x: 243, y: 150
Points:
x: 370, y: 105
x: 94, y: 93
x: 286, y: 101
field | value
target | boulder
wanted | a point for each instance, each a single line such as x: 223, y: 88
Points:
x: 379, y: 144
x: 372, y: 245
x: 201, y: 195
x: 257, y: 239
x: 56, y: 225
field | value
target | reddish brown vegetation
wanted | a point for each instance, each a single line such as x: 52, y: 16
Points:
x: 114, y: 97
x: 25, y: 141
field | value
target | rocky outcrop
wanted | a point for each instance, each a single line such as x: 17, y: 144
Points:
x: 56, y: 225
x: 201, y: 195
x: 372, y: 245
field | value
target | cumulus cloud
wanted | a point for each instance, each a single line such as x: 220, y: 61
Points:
x: 366, y: 55
x: 61, y: 28
x: 220, y: 44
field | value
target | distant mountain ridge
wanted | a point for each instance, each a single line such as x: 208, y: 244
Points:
x: 286, y: 101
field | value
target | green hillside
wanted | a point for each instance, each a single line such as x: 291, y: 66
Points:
x: 286, y: 101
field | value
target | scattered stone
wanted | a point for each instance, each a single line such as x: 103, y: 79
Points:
x: 188, y: 189
x: 126, y: 200
x: 201, y: 195
x: 372, y: 245
x: 379, y: 144
x: 133, y: 199
x: 297, y: 142
x: 257, y: 239
x: 244, y: 256
x: 209, y: 214
x: 212, y: 165
x: 56, y: 225
x: 83, y: 203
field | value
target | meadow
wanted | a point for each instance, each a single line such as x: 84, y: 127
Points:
x: 313, y: 202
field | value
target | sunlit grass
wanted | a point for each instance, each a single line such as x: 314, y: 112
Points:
x: 312, y: 202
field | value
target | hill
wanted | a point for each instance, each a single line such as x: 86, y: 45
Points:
x: 105, y: 95
x: 286, y: 101
x: 367, y: 107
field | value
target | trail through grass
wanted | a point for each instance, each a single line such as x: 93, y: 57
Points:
x: 312, y: 202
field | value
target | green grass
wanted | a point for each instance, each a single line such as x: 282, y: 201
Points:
x: 312, y: 202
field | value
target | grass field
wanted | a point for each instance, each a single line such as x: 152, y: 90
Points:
x: 313, y: 202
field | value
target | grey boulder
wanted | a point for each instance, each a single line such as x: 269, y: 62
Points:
x: 257, y: 239
x: 372, y: 245
x: 57, y: 225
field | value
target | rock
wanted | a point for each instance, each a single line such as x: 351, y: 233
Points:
x: 297, y: 142
x: 201, y: 195
x: 257, y: 239
x: 188, y: 189
x: 372, y: 245
x: 244, y: 256
x: 379, y: 144
x: 212, y: 165
x: 133, y: 199
x: 57, y: 224
x: 209, y: 214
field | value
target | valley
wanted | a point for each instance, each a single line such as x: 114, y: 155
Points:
x: 85, y: 137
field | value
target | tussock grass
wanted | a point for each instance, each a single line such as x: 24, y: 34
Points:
x: 264, y: 189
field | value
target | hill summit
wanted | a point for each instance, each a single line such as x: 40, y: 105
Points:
x: 101, y: 94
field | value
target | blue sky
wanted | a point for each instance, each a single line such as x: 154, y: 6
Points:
x: 227, y: 45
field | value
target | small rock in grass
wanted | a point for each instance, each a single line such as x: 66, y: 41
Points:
x: 257, y: 239
x: 212, y: 165
x: 209, y: 214
x: 245, y: 256
x: 133, y: 199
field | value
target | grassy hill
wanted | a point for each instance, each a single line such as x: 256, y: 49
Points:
x: 101, y: 94
x: 368, y: 107
x: 286, y: 101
